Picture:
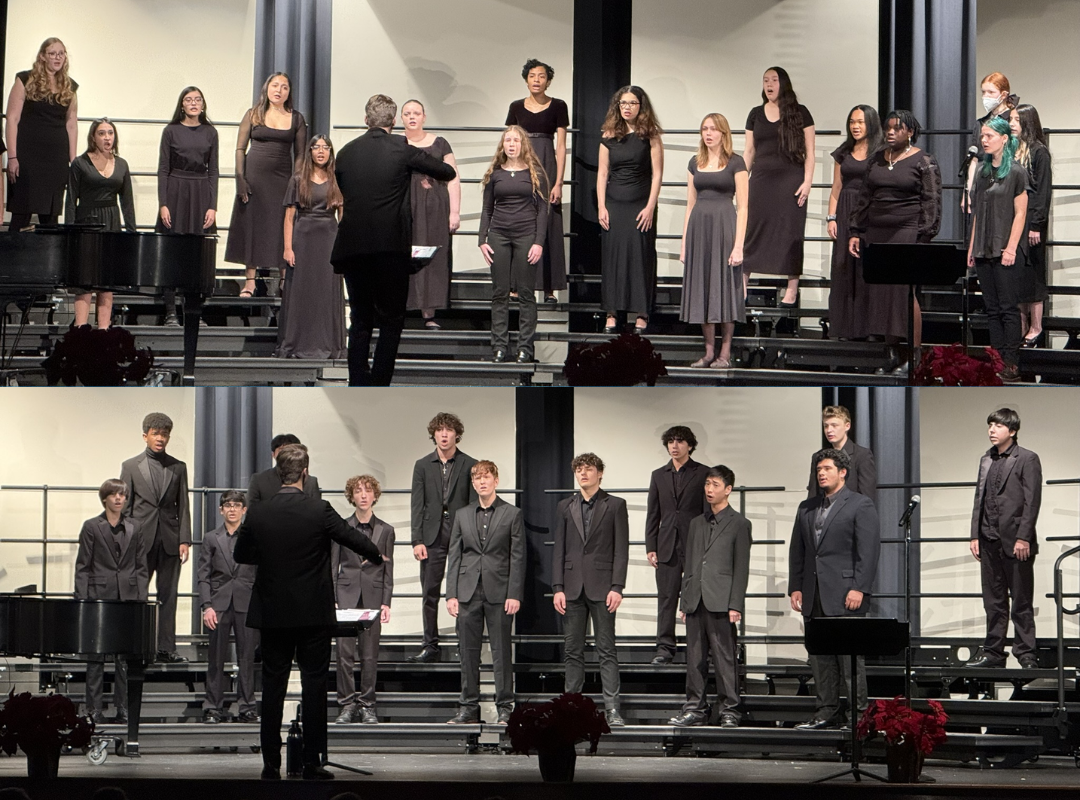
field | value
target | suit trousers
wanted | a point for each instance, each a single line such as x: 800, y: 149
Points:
x: 470, y: 628
x: 369, y: 667
x: 246, y: 638
x: 378, y: 290
x: 311, y: 648
x: 577, y: 616
x: 432, y: 570
x: 95, y: 682
x: 167, y: 568
x: 708, y: 632
x: 511, y: 270
x: 668, y: 585
x: 1005, y: 578
x: 1001, y: 287
x: 832, y: 676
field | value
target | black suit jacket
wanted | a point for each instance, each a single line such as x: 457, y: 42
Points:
x: 359, y: 583
x: 374, y: 174
x: 223, y: 582
x: 717, y: 563
x: 288, y: 538
x: 668, y: 518
x: 163, y: 515
x: 1017, y: 502
x: 846, y: 558
x: 426, y: 498
x: 99, y: 575
x: 861, y: 476
x: 266, y: 484
x: 596, y: 566
x: 498, y: 564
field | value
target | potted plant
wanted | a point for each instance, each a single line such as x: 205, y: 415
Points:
x: 40, y: 725
x: 910, y: 735
x: 623, y: 361
x: 953, y: 365
x: 95, y: 357
x: 553, y: 728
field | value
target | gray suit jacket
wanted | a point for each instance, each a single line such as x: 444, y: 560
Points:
x: 499, y: 563
x: 668, y: 518
x: 597, y: 566
x: 1017, y: 502
x: 266, y: 484
x: 717, y: 563
x: 165, y: 515
x: 99, y: 575
x: 223, y: 582
x: 427, y: 494
x: 357, y: 582
x: 861, y: 477
x: 846, y: 558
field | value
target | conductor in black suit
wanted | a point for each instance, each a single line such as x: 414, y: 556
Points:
x: 158, y: 505
x: 862, y: 473
x: 265, y: 484
x: 832, y: 562
x: 676, y: 496
x: 588, y: 575
x: 288, y: 538
x: 441, y: 486
x: 373, y: 248
x: 1004, y: 540
x: 485, y: 582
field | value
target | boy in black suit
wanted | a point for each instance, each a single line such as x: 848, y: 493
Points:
x: 110, y: 565
x: 862, y: 472
x: 224, y: 595
x: 713, y: 599
x: 265, y: 484
x: 588, y: 575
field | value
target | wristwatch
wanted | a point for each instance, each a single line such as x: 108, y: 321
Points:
x: 831, y: 218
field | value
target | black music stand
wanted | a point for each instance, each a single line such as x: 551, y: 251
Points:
x: 912, y: 265
x: 855, y: 636
x: 350, y: 629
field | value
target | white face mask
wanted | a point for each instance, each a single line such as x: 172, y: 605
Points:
x: 990, y: 103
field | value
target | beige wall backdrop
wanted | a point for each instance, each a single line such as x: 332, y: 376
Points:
x: 74, y: 437
x: 952, y: 440
x: 382, y: 432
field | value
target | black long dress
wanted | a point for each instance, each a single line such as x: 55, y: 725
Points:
x: 430, y: 199
x: 846, y: 285
x: 628, y: 256
x: 92, y: 198
x: 187, y: 176
x: 42, y: 146
x: 1040, y: 177
x: 542, y: 127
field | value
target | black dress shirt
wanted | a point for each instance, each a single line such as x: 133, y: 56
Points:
x: 989, y: 527
x: 586, y: 514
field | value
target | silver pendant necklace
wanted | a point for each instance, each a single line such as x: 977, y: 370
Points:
x: 893, y: 163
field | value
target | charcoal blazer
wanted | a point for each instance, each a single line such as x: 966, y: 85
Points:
x: 861, y: 476
x: 288, y: 538
x: 498, y: 564
x: 596, y: 566
x: 426, y: 497
x: 161, y: 515
x: 222, y: 581
x: 359, y: 583
x: 668, y: 517
x: 266, y: 484
x: 717, y: 563
x: 846, y: 558
x: 99, y: 575
x: 1017, y: 501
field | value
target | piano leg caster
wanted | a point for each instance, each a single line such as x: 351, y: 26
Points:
x: 98, y: 752
x: 127, y: 749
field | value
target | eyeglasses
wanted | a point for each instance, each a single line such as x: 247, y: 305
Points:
x: 628, y: 103
x: 60, y: 54
x: 232, y: 505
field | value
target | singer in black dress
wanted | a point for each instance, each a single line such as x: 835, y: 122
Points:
x: 1033, y: 154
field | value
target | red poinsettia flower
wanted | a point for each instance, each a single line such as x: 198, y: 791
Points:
x: 625, y: 360
x: 562, y: 721
x: 899, y: 722
x: 953, y: 365
x: 39, y: 723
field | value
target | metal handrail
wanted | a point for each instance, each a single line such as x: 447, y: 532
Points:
x: 1059, y: 600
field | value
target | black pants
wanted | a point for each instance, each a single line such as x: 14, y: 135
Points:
x: 369, y: 667
x: 235, y: 622
x: 832, y: 675
x: 432, y: 570
x: 20, y: 221
x: 472, y: 615
x: 311, y: 648
x: 1001, y: 296
x: 510, y: 269
x: 577, y: 616
x: 709, y: 633
x: 167, y: 568
x: 1005, y: 577
x: 668, y: 585
x: 95, y: 683
x: 378, y: 290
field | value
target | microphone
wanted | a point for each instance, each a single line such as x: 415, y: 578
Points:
x: 973, y: 153
x: 912, y: 503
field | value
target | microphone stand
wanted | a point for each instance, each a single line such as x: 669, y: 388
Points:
x: 965, y: 323
x: 907, y: 603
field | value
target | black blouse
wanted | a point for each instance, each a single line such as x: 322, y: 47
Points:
x: 511, y: 207
x: 992, y: 199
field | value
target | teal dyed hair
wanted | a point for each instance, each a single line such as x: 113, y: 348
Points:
x: 1000, y: 125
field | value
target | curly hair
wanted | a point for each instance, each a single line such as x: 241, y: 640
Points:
x: 792, y: 138
x: 905, y: 119
x: 587, y: 460
x: 680, y: 432
x: 481, y: 467
x: 841, y: 459
x: 532, y: 64
x: 37, y: 85
x: 444, y: 419
x: 262, y: 105
x: 156, y: 421
x: 306, y: 168
x: 646, y: 126
x: 528, y: 155
x: 369, y: 482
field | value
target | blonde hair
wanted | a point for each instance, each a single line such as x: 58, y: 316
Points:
x: 258, y: 111
x: 726, y: 149
x: 528, y: 155
x: 482, y: 467
x: 37, y: 85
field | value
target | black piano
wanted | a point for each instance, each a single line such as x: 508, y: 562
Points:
x: 38, y: 262
x: 35, y: 626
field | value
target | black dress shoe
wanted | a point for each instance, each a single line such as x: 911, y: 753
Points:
x: 211, y: 716
x: 819, y: 724
x: 348, y: 714
x: 313, y: 772
x: 1029, y: 662
x: 97, y: 716
x: 986, y: 662
x: 729, y: 720
x: 429, y: 655
x: 688, y: 719
x: 170, y: 657
x: 614, y: 719
x: 122, y: 717
x: 662, y: 658
x: 612, y: 329
x: 498, y: 356
x: 368, y: 716
x: 464, y: 717
x: 271, y: 774
x: 247, y: 717
x: 171, y: 321
x: 524, y: 358
x: 551, y: 299
x: 504, y: 716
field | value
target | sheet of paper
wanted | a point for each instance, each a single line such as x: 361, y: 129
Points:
x: 357, y: 614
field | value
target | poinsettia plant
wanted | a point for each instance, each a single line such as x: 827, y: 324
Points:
x: 39, y: 723
x: 562, y: 721
x: 899, y: 723
x: 95, y: 357
x: 953, y: 365
x: 625, y: 360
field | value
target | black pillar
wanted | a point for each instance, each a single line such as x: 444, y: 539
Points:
x: 602, y: 32
x: 293, y: 36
